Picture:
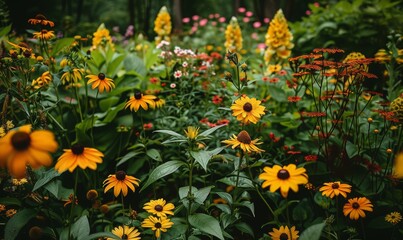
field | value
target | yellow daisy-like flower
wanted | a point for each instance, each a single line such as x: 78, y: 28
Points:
x: 356, y: 207
x: 191, y: 132
x: 156, y: 224
x: 233, y: 36
x: 398, y: 166
x: 126, y: 232
x: 159, y: 207
x: 41, y: 19
x: 120, y: 182
x: 244, y: 141
x: 162, y: 25
x: 247, y: 110
x: 101, y: 37
x: 78, y: 156
x: 20, y: 147
x: 72, y: 76
x: 44, y: 34
x: 140, y: 100
x: 332, y: 189
x: 159, y: 103
x: 42, y: 81
x: 101, y: 82
x: 283, y: 178
x: 284, y: 233
x: 393, y: 217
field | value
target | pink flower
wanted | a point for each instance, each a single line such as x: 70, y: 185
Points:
x: 195, y: 18
x: 249, y: 14
x: 261, y: 46
x: 193, y: 29
x: 241, y: 9
x: 246, y: 19
x: 213, y: 23
x: 172, y: 85
x: 266, y: 20
x: 211, y: 16
x: 316, y: 4
x: 203, y: 22
x: 257, y: 24
x: 217, y: 15
x: 307, y: 12
x: 254, y: 36
x: 178, y: 74
x: 186, y: 20
x: 221, y: 19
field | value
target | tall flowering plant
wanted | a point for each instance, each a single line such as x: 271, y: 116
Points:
x: 163, y: 25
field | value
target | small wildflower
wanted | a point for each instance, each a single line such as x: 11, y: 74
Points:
x: 393, y: 218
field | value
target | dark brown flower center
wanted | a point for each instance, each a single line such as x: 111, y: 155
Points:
x: 40, y: 17
x: 356, y: 205
x: 137, y: 95
x: 247, y: 107
x: 44, y: 31
x: 158, y: 208
x: 244, y: 137
x: 157, y: 225
x: 101, y: 76
x: 284, y: 236
x: 124, y: 236
x: 156, y: 99
x: 283, y: 174
x: 120, y: 175
x: 77, y: 149
x: 20, y: 141
x: 335, y: 185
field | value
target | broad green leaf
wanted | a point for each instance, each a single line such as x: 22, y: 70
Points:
x: 183, y: 191
x: 56, y: 188
x: 243, y: 227
x: 207, y: 224
x: 134, y: 63
x: 172, y: 133
x: 81, y: 228
x: 162, y: 171
x: 10, y: 201
x: 17, y: 222
x: 45, y: 178
x: 127, y: 157
x: 154, y: 154
x: 101, y: 235
x: 226, y: 196
x: 211, y: 130
x: 114, y: 66
x: 106, y: 103
x: 5, y: 30
x: 203, y: 156
x: 61, y: 44
x: 249, y: 205
x: 313, y: 232
x: 113, y: 112
x: 201, y: 194
x: 351, y: 149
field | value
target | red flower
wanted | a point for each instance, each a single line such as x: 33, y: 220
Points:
x: 217, y: 99
x: 311, y: 158
x: 294, y: 99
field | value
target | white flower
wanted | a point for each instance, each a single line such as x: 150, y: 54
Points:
x: 178, y: 74
x: 173, y: 85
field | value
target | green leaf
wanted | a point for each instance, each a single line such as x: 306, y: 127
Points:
x: 313, y: 232
x: 106, y: 103
x: 61, y: 44
x: 17, y: 222
x: 127, y: 157
x: 45, y: 178
x: 351, y: 149
x: 113, y: 112
x: 5, y: 30
x: 114, y: 65
x: 81, y: 228
x: 169, y: 132
x: 207, y: 224
x: 10, y: 201
x: 101, y: 235
x: 203, y: 156
x: 183, y: 191
x: 211, y: 130
x: 243, y: 227
x: 226, y: 196
x: 154, y: 154
x: 249, y: 205
x: 201, y: 194
x: 162, y: 171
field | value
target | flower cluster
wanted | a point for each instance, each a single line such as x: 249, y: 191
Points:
x: 233, y: 36
x: 162, y: 25
x: 159, y: 222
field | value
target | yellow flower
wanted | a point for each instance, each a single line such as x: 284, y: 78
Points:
x: 162, y: 25
x: 72, y: 76
x: 101, y: 82
x: 19, y: 182
x: 41, y: 19
x: 159, y: 103
x: 78, y: 156
x: 21, y: 147
x: 126, y: 232
x: 101, y: 37
x: 283, y: 178
x: 332, y: 189
x: 191, y: 132
x: 140, y: 100
x: 159, y: 207
x: 43, y: 80
x: 120, y: 182
x: 2, y: 132
x: 9, y: 124
x: 247, y: 110
x: 44, y: 34
x: 284, y: 233
x: 244, y: 141
x: 233, y: 36
x: 398, y: 166
x: 10, y: 212
x: 396, y: 106
x: 356, y: 207
x: 156, y: 224
x: 273, y: 68
x: 64, y: 62
x: 393, y: 217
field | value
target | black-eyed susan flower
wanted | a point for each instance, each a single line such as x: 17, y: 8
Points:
x: 140, y: 100
x: 393, y: 218
x: 126, y: 232
x: 78, y: 156
x: 156, y: 224
x: 247, y: 110
x: 159, y: 207
x: 332, y: 189
x: 42, y: 81
x: 101, y: 82
x: 356, y: 207
x: 72, y: 76
x: 159, y: 103
x: 284, y: 233
x: 244, y: 141
x: 41, y: 19
x: 191, y: 132
x: 283, y: 178
x: 92, y: 194
x: 44, y: 35
x: 120, y: 182
x: 21, y: 147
